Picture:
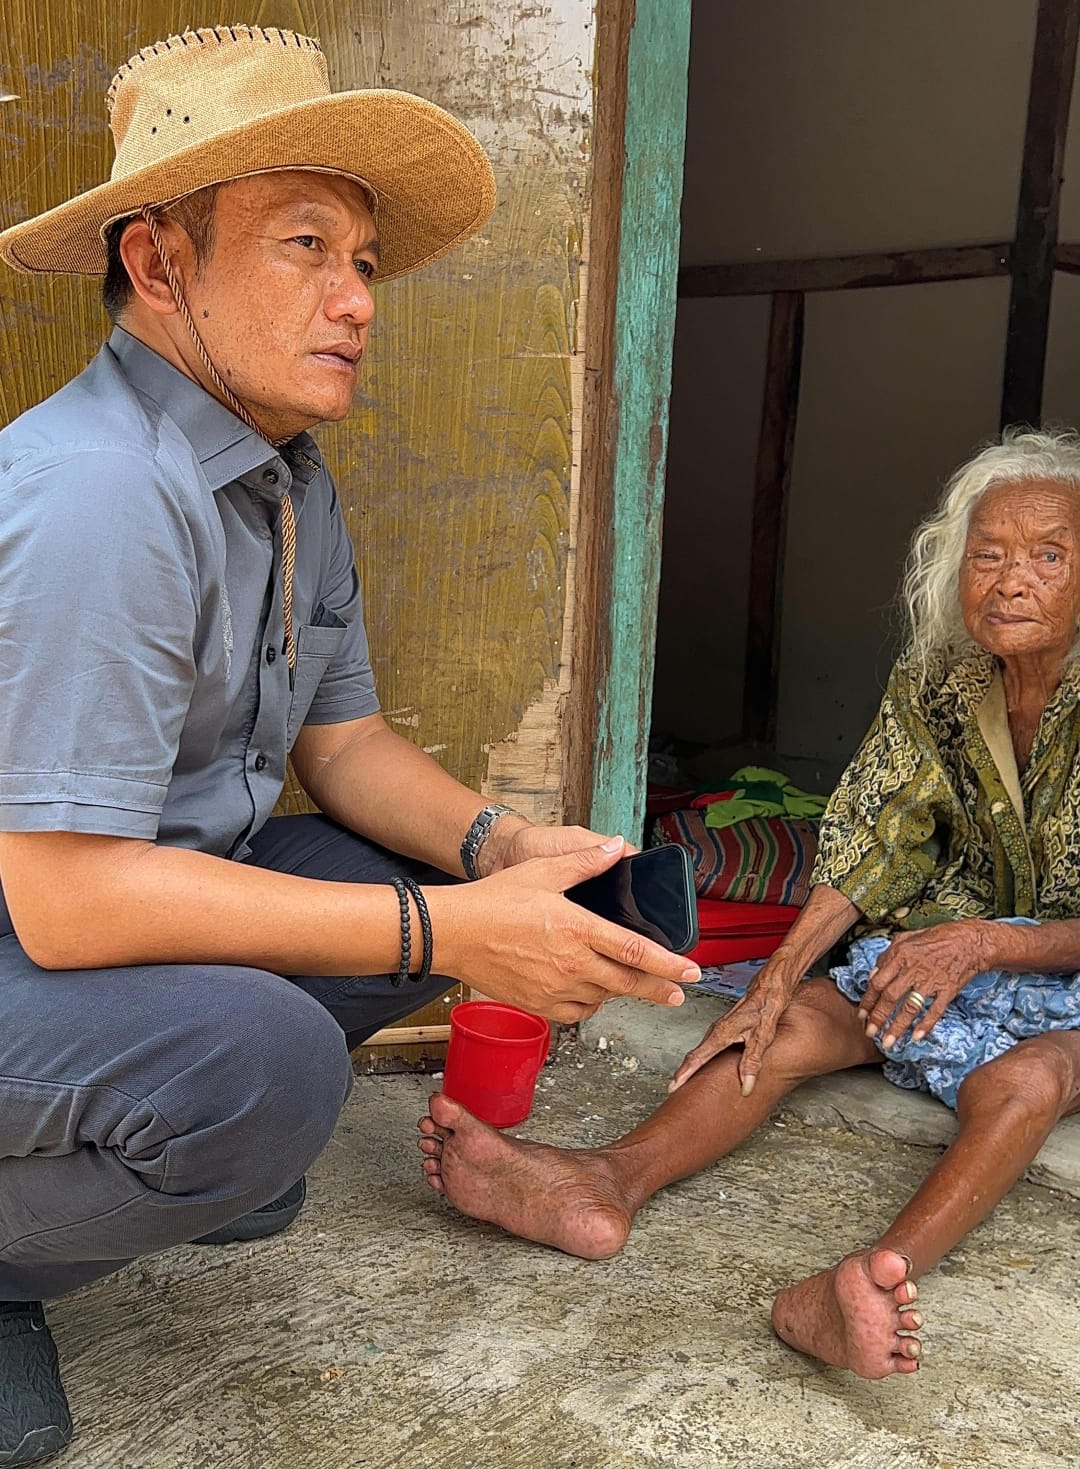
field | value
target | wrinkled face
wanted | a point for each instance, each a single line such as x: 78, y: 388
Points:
x: 1020, y: 577
x: 283, y: 304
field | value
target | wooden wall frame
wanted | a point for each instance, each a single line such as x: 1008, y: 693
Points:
x: 1053, y: 66
x: 642, y: 64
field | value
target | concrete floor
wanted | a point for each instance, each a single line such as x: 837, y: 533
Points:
x: 384, y: 1330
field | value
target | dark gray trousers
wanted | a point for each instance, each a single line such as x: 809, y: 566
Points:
x: 143, y: 1107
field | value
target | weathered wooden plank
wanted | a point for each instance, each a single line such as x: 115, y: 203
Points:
x: 1067, y: 258
x: 591, y: 643
x: 642, y: 62
x: 407, y: 1035
x: 845, y: 272
x: 1052, y: 67
x: 772, y: 485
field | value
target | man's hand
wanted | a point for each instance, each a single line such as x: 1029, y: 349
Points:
x: 515, y: 937
x: 750, y: 1023
x: 514, y: 840
x: 931, y: 964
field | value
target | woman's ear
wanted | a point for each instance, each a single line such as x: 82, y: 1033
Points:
x: 144, y: 266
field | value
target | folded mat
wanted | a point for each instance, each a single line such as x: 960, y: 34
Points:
x: 732, y: 932
x: 767, y: 859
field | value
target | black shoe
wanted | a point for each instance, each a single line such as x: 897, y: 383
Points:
x: 35, y: 1420
x: 259, y: 1224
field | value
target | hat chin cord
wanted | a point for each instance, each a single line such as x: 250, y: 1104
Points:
x: 288, y: 519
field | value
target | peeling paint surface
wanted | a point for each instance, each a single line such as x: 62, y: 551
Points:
x: 644, y: 333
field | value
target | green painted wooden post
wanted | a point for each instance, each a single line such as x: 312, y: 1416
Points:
x: 655, y: 135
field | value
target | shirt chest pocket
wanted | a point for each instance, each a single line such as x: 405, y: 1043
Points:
x: 317, y: 643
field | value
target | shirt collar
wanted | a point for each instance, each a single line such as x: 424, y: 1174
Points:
x: 224, y: 445
x: 964, y: 685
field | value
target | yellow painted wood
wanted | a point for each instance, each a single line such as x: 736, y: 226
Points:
x: 455, y: 466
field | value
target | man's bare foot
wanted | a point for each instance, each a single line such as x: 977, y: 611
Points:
x: 568, y: 1199
x: 849, y: 1316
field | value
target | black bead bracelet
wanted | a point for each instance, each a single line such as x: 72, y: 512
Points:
x: 405, y: 963
x: 425, y: 929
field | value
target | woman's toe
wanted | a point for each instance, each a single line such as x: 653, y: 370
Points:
x: 432, y: 1146
x: 906, y: 1293
x: 910, y: 1319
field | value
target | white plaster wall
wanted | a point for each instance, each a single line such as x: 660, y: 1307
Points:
x: 832, y: 128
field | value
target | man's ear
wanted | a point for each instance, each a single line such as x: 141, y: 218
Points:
x: 143, y: 263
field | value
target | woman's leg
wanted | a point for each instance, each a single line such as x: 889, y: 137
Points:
x: 1006, y: 1109
x: 583, y: 1201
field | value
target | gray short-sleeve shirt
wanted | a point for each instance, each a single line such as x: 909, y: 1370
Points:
x: 144, y: 688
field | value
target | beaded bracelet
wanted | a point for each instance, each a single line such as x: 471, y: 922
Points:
x: 405, y: 963
x: 425, y: 929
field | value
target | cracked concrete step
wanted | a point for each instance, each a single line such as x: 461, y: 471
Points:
x: 856, y: 1101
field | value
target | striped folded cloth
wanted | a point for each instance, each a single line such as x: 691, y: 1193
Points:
x: 765, y: 859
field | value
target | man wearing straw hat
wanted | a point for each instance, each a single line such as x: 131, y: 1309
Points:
x: 180, y: 976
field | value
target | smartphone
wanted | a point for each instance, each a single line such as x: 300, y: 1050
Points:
x: 651, y: 893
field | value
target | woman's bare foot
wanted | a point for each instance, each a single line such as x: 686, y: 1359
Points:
x: 570, y: 1200
x: 849, y: 1316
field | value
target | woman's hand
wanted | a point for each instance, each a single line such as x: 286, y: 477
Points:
x: 750, y: 1023
x: 931, y: 965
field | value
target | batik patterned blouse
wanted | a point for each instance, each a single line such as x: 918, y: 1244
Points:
x: 932, y: 820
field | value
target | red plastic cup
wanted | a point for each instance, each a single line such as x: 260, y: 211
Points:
x: 493, y: 1060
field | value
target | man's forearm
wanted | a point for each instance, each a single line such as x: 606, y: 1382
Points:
x: 382, y: 786
x: 83, y: 902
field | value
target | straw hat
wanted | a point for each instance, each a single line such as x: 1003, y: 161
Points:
x: 219, y: 104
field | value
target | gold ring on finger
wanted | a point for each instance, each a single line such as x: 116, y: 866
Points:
x: 915, y: 1000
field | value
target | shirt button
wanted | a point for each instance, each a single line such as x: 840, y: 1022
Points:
x: 270, y: 476
x: 271, y: 653
x: 260, y: 762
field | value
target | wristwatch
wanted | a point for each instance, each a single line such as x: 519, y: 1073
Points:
x: 477, y: 835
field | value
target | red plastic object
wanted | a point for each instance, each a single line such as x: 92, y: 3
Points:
x: 660, y: 798
x: 733, y: 932
x: 493, y: 1060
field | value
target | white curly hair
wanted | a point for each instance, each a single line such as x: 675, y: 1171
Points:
x: 930, y: 590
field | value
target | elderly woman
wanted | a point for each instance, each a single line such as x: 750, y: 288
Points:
x: 959, y: 813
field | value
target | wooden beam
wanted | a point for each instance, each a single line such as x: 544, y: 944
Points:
x: 591, y: 656
x: 1052, y: 67
x: 642, y: 64
x: 406, y: 1035
x: 1067, y: 258
x: 845, y: 272
x: 772, y: 483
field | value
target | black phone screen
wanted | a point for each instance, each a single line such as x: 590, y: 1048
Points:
x: 651, y: 893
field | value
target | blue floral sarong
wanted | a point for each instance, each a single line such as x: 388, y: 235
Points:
x: 985, y: 1019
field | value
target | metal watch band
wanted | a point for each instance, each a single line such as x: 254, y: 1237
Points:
x: 477, y: 835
